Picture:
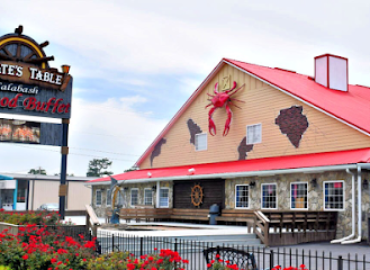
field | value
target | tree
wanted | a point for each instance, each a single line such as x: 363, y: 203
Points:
x: 97, y: 165
x: 133, y: 168
x: 39, y: 170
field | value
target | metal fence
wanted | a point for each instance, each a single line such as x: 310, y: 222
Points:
x: 266, y: 258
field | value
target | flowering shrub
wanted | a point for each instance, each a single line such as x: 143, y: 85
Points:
x: 41, y: 218
x: 165, y: 260
x: 36, y: 248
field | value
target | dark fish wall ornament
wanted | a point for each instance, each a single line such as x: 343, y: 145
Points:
x: 292, y: 123
x: 193, y: 129
x: 157, y: 150
x: 243, y: 149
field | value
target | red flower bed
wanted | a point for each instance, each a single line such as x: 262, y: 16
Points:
x: 36, y: 248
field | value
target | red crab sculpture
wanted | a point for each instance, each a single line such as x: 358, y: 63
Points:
x: 220, y: 100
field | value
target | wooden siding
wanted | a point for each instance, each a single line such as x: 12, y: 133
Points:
x: 213, y: 190
x: 262, y: 105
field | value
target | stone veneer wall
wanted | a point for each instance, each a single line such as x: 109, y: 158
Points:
x: 100, y: 210
x: 315, y: 195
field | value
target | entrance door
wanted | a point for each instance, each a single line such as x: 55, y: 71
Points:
x: 213, y: 193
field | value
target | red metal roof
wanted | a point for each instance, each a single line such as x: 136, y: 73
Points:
x: 351, y: 107
x: 253, y: 165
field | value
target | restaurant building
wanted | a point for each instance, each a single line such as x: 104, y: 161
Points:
x: 261, y: 138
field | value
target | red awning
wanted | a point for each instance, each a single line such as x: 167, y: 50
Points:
x: 253, y: 165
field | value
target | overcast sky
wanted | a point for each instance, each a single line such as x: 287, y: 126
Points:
x: 136, y: 62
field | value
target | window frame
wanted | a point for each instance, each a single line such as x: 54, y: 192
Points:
x: 276, y: 196
x: 290, y: 195
x: 195, y: 141
x: 344, y: 195
x: 131, y: 190
x: 246, y: 131
x: 96, y: 197
x: 168, y: 198
x: 151, y: 192
x: 236, y: 187
x: 106, y: 202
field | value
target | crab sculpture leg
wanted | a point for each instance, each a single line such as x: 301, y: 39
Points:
x: 219, y: 100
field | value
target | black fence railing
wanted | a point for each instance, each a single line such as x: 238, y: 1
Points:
x: 264, y: 258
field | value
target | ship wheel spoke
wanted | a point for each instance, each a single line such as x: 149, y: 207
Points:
x: 18, y: 54
x: 28, y: 56
x: 6, y: 57
x: 40, y: 60
x: 8, y: 54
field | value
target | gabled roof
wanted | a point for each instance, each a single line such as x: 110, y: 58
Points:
x: 225, y: 169
x: 351, y: 108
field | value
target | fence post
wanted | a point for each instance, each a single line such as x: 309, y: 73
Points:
x: 141, y: 246
x: 340, y: 263
x: 175, y: 248
x: 271, y: 259
x: 113, y: 242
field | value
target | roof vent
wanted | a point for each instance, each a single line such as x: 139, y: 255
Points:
x: 332, y: 71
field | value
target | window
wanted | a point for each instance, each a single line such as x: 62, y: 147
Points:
x: 269, y: 198
x: 242, y: 196
x: 98, y: 197
x: 164, y: 200
x: 134, y: 196
x: 201, y: 142
x: 254, y: 134
x: 148, y: 196
x: 298, y: 195
x: 109, y: 197
x: 334, y: 195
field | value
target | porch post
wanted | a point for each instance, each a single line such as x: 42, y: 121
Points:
x: 157, y: 201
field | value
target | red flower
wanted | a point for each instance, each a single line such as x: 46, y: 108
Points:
x: 25, y: 257
x: 53, y: 260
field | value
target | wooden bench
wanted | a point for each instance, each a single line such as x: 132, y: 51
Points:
x: 238, y: 215
x: 190, y: 214
x: 146, y: 214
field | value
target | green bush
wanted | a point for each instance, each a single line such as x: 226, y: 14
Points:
x: 41, y: 218
x: 165, y: 260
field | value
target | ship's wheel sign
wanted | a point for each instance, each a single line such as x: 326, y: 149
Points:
x: 197, y: 195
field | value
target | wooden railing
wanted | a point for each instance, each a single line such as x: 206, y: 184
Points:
x: 293, y: 227
x: 92, y: 221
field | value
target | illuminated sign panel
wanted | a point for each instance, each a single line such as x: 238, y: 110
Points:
x: 20, y: 131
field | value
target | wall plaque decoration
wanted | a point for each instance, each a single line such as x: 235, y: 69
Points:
x: 197, y: 195
x: 157, y: 150
x: 193, y: 129
x: 219, y: 100
x: 244, y: 148
x: 292, y: 123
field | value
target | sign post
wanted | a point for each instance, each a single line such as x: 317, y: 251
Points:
x: 63, y: 174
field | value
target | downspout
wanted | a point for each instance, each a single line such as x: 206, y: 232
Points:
x: 353, y: 212
x: 359, y: 189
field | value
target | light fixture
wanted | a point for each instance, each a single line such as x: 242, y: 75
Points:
x: 314, y: 182
x: 149, y: 174
x: 192, y: 171
x: 365, y: 184
x: 252, y: 184
x: 66, y: 68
